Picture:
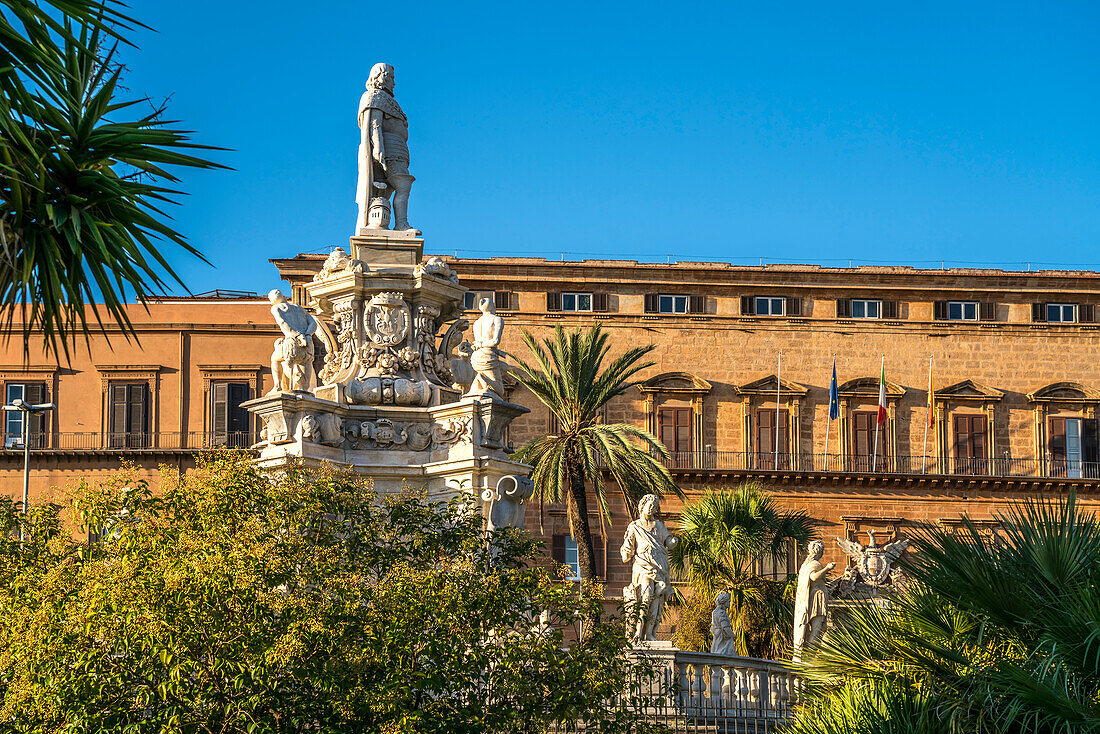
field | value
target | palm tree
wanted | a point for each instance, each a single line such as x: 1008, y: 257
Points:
x: 83, y: 176
x: 992, y: 635
x: 569, y: 378
x: 721, y: 535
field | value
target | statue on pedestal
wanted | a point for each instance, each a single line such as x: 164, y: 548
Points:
x: 292, y: 360
x: 485, y: 359
x: 811, y: 599
x: 721, y: 629
x: 383, y: 155
x: 646, y: 544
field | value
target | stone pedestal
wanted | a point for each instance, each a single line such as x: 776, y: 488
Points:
x: 387, y: 404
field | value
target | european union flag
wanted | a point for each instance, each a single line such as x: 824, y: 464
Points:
x: 834, y: 396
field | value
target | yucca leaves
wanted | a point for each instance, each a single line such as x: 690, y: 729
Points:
x: 570, y: 377
x: 993, y: 634
x: 84, y: 177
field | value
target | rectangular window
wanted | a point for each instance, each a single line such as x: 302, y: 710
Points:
x: 1062, y: 313
x: 672, y: 304
x: 576, y: 301
x: 674, y: 431
x: 469, y: 300
x: 32, y: 393
x: 766, y: 439
x: 1073, y: 445
x: 229, y: 422
x: 971, y: 451
x: 127, y: 415
x: 777, y: 569
x: 504, y: 300
x: 866, y: 309
x: 770, y: 306
x: 564, y: 550
x: 866, y: 431
x: 962, y: 310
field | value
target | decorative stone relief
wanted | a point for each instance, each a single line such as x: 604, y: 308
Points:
x: 873, y: 565
x: 387, y: 319
x: 388, y: 391
x: 454, y: 431
x: 337, y: 263
x: 506, y: 501
x: 435, y: 267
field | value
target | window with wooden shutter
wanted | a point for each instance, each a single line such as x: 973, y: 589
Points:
x: 1038, y: 312
x: 651, y: 302
x: 748, y: 305
x: 128, y: 414
x: 890, y: 309
x: 563, y: 549
x: 697, y: 304
x: 553, y: 301
x: 32, y: 393
x: 229, y: 422
x: 987, y: 311
x: 1086, y: 313
x: 766, y: 439
x: 599, y: 302
x: 553, y: 424
x: 843, y: 308
x: 794, y: 306
x: 939, y: 310
x: 674, y: 431
x: 970, y: 444
x: 865, y: 432
x: 504, y: 300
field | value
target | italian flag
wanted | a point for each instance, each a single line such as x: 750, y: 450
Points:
x: 882, y: 394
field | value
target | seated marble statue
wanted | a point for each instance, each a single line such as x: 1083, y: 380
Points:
x: 292, y: 359
x: 646, y: 546
x: 485, y: 359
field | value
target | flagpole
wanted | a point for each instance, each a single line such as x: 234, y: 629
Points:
x: 829, y: 416
x: 928, y: 422
x: 874, y: 451
x: 778, y: 384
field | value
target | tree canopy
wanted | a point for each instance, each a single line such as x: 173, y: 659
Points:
x: 231, y: 601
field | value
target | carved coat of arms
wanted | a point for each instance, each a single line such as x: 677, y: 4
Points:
x: 873, y: 563
x: 387, y: 319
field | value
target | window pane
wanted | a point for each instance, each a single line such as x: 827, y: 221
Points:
x: 15, y: 392
x: 1067, y: 313
x: 763, y: 306
x: 568, y: 302
x: 777, y: 307
x: 584, y: 301
x: 681, y: 304
x: 571, y: 559
x: 872, y: 309
x: 1054, y: 313
x: 665, y: 304
x: 859, y: 309
x: 970, y: 311
x: 954, y: 311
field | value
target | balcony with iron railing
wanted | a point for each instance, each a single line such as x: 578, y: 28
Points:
x: 1051, y: 466
x: 161, y: 441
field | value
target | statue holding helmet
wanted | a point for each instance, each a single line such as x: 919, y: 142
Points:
x: 383, y: 156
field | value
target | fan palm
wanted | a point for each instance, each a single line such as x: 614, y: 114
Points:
x: 569, y: 377
x: 992, y: 635
x: 83, y: 176
x: 721, y: 535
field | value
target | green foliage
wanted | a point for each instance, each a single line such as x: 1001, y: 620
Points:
x: 693, y: 621
x: 991, y: 635
x: 229, y: 601
x: 721, y: 534
x: 84, y: 176
x: 570, y: 378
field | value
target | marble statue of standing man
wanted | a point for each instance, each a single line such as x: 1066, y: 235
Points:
x: 383, y: 150
x: 811, y: 599
x: 646, y: 545
x: 485, y: 359
x: 292, y: 360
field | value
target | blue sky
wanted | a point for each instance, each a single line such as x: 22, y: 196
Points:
x: 804, y: 132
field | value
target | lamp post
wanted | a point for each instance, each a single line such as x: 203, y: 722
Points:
x: 28, y: 410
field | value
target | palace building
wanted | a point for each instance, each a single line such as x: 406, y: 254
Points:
x: 1014, y: 408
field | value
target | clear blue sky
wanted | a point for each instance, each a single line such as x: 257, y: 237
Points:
x: 806, y: 132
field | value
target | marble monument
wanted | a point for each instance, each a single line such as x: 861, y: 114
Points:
x: 645, y: 547
x: 811, y: 599
x: 373, y: 372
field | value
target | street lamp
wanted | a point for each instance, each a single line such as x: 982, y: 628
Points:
x: 27, y: 409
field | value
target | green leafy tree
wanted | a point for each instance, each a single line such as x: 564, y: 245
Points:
x: 991, y: 635
x: 84, y: 176
x: 569, y: 377
x: 231, y: 601
x: 721, y: 535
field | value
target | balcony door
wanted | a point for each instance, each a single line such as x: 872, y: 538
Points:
x: 674, y: 431
x: 128, y: 415
x: 864, y: 438
x: 1073, y: 447
x: 971, y: 444
x: 767, y: 440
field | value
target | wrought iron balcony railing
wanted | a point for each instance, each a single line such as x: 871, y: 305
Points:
x: 160, y: 441
x: 1049, y: 466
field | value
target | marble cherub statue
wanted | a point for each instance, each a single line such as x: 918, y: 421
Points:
x: 646, y: 546
x: 292, y: 359
x: 811, y: 599
x: 485, y: 358
x: 383, y: 150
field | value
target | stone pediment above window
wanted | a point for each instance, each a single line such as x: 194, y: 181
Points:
x: 1065, y: 392
x: 672, y: 383
x: 969, y: 390
x: 862, y: 387
x: 767, y: 386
